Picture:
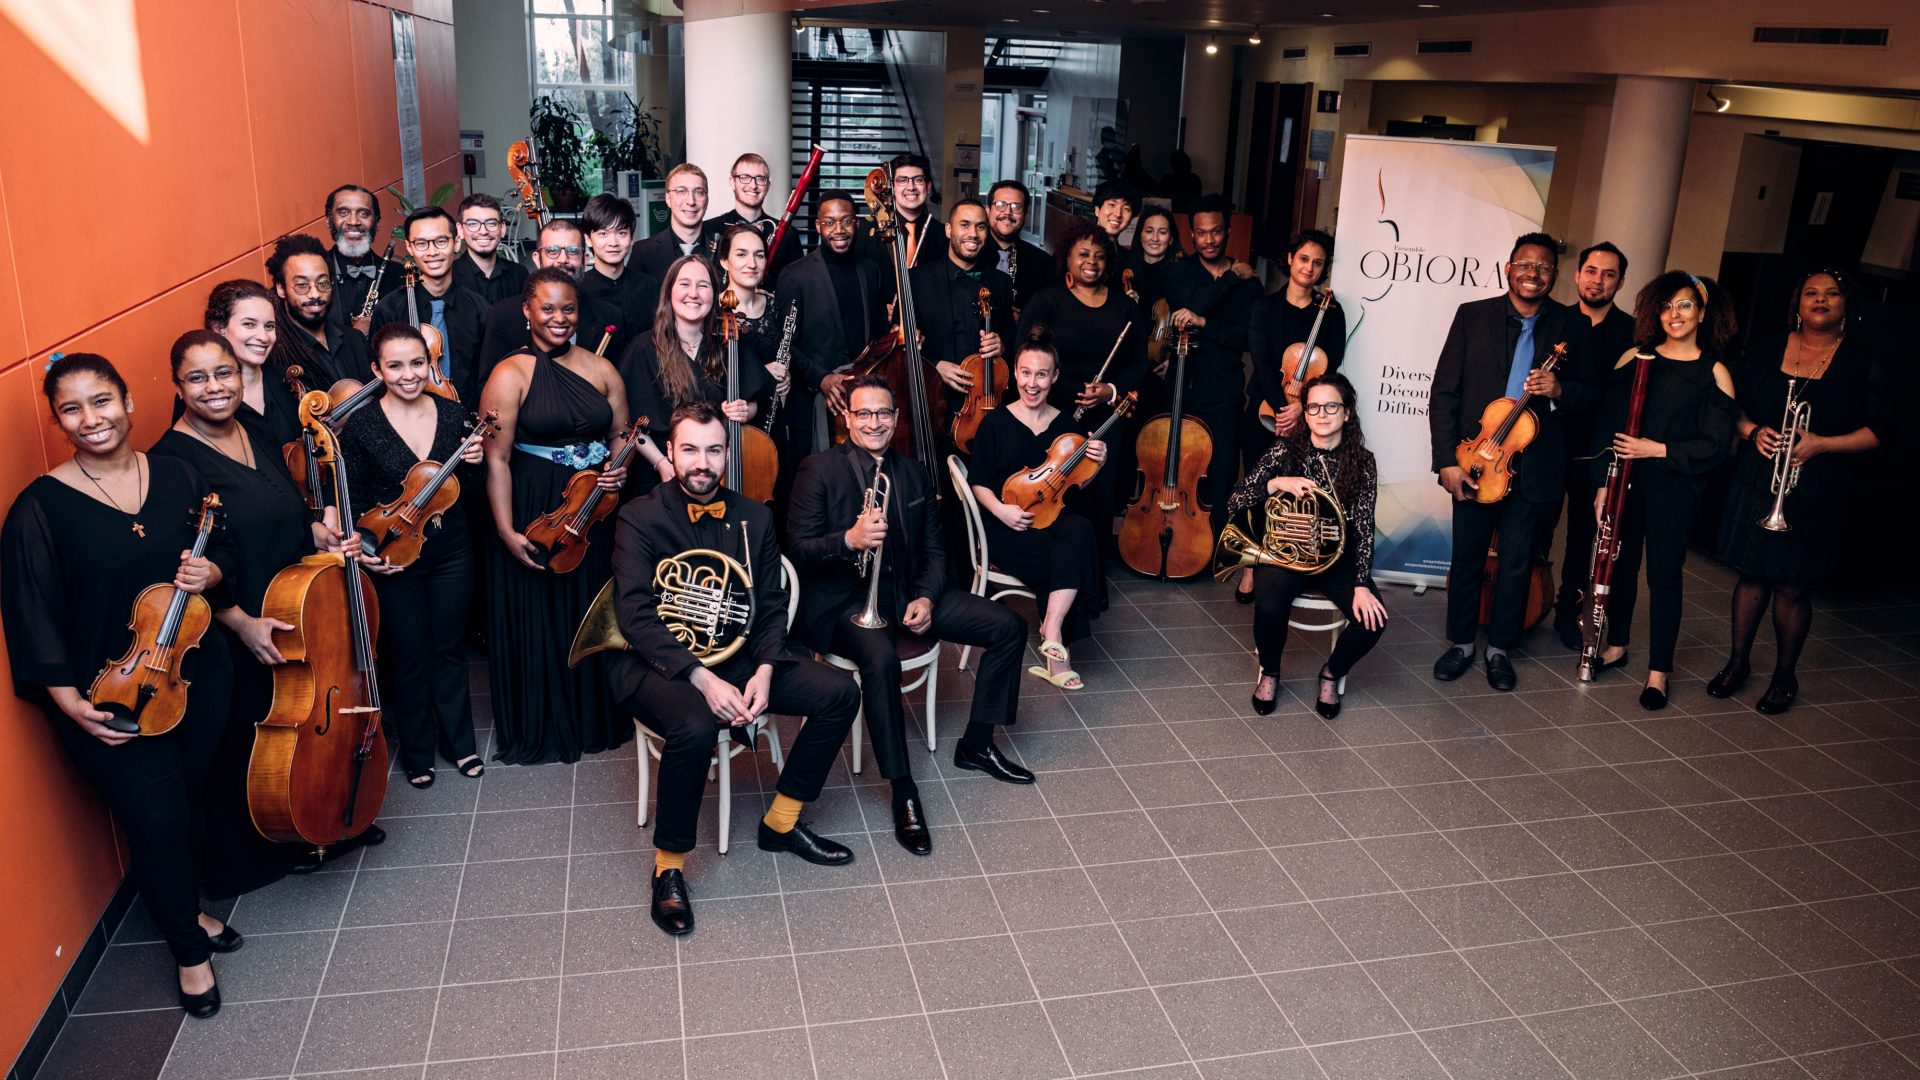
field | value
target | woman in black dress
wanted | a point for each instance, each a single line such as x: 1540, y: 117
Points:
x: 1327, y: 452
x: 764, y: 320
x: 1686, y: 430
x: 244, y: 313
x: 268, y: 524
x: 1059, y: 562
x: 561, y: 409
x: 79, y: 544
x: 1156, y: 246
x: 423, y: 606
x: 1829, y: 371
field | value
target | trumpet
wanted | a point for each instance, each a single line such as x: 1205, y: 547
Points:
x: 867, y: 563
x: 1793, y: 422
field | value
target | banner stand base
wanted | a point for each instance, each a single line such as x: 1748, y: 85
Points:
x: 1420, y: 582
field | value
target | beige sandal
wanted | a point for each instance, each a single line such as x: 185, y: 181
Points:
x: 1065, y: 680
x: 1053, y: 650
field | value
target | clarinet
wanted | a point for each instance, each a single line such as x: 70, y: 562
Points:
x: 784, y: 355
x: 1606, y: 536
x: 373, y: 291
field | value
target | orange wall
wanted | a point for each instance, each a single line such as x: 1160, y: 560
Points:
x: 108, y: 244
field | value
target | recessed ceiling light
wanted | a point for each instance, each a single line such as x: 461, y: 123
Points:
x: 1427, y: 6
x: 1211, y: 47
x: 1042, y: 11
x: 1010, y: 20
x: 1326, y: 14
x: 1254, y: 38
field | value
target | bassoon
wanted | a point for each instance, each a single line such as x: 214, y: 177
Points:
x: 1606, y: 537
x: 793, y: 201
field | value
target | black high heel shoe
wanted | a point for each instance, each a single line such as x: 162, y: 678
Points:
x: 1780, y: 695
x: 201, y: 1006
x: 226, y: 941
x: 1265, y: 706
x: 1328, y: 681
x: 1242, y: 597
x: 1729, y: 681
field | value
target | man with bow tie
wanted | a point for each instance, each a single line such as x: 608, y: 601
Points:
x: 353, y: 219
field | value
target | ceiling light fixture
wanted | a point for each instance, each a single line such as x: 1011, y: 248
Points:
x: 1211, y: 47
x: 1427, y: 7
x: 1254, y: 38
x: 1720, y: 104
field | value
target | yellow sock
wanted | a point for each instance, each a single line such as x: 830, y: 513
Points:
x: 784, y: 814
x: 664, y: 861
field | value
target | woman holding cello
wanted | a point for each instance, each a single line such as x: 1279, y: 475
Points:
x: 1059, y: 562
x: 425, y: 602
x: 79, y: 545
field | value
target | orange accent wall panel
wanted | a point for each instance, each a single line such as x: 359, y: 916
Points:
x: 439, y: 96
x: 303, y: 116
x: 13, y: 328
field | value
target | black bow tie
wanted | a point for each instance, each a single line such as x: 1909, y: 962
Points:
x: 368, y: 271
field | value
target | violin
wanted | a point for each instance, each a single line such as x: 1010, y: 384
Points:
x: 989, y: 383
x: 1166, y: 533
x: 753, y: 462
x: 1302, y: 360
x: 437, y: 382
x: 399, y: 528
x: 142, y: 693
x: 344, y: 398
x: 318, y: 774
x: 1162, y: 316
x: 1042, y: 490
x: 1507, y: 426
x: 560, y: 534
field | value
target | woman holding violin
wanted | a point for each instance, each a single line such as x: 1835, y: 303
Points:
x: 424, y: 603
x: 1059, y: 562
x: 561, y: 409
x: 79, y: 545
x: 1325, y: 451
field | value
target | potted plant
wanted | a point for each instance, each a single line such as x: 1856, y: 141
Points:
x: 630, y: 143
x: 562, y: 155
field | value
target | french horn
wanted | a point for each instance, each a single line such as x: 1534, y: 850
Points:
x: 1304, y: 533
x: 703, y: 597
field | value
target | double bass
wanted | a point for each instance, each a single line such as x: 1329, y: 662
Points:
x: 437, y: 382
x: 989, y: 382
x: 399, y: 528
x: 318, y: 774
x: 1302, y: 360
x: 753, y: 462
x: 1507, y: 426
x: 1042, y: 490
x: 143, y: 693
x: 1166, y: 533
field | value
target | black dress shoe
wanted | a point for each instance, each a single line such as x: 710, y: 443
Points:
x: 1242, y: 597
x: 991, y: 762
x: 201, y: 1006
x: 672, y: 907
x: 1452, y: 664
x: 1500, y: 674
x: 1653, y: 699
x: 227, y: 940
x: 1566, y: 626
x: 1264, y: 706
x: 910, y: 826
x: 1729, y: 681
x: 1779, y: 696
x: 1328, y: 709
x: 805, y: 843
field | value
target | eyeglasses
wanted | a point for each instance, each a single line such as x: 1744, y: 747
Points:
x: 871, y: 416
x: 432, y: 243
x: 304, y: 287
x: 201, y: 378
x: 482, y: 224
x: 751, y: 181
x: 1684, y: 307
x: 1538, y: 269
x: 910, y: 181
x: 1323, y: 408
x: 687, y: 192
x: 554, y: 251
x: 1008, y: 204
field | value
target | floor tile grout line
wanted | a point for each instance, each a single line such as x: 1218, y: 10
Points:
x: 793, y: 962
x: 453, y: 923
x: 346, y: 903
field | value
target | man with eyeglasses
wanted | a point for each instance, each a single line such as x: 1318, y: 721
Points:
x: 482, y: 230
x: 912, y: 194
x: 1494, y: 349
x: 325, y: 352
x: 615, y: 278
x: 685, y: 233
x: 437, y: 300
x: 751, y: 178
x: 562, y: 245
x: 353, y: 219
x: 833, y: 540
x: 841, y: 310
x: 1028, y: 264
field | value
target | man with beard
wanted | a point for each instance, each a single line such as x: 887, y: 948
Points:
x: 946, y: 303
x: 685, y: 233
x: 1028, y: 264
x: 616, y: 279
x: 353, y: 217
x: 912, y: 177
x: 685, y: 703
x: 560, y: 245
x: 325, y: 352
x: 841, y: 310
x: 750, y: 180
x: 436, y: 300
x: 1214, y: 302
x: 480, y: 267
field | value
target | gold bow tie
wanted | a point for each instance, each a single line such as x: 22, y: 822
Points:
x: 715, y: 509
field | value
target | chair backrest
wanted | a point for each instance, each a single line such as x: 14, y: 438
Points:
x: 791, y: 578
x: 976, y: 530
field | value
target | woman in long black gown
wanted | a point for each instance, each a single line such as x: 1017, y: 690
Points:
x: 561, y: 409
x: 1059, y: 563
x: 78, y: 546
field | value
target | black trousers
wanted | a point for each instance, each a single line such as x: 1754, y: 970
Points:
x: 154, y: 785
x: 1517, y: 522
x: 1223, y: 423
x: 1658, y: 517
x: 678, y: 713
x: 423, y: 619
x: 1274, y: 590
x: 959, y: 617
x: 1576, y: 564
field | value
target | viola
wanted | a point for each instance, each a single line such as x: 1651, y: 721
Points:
x: 1302, y: 360
x: 399, y: 528
x: 344, y: 398
x: 318, y: 774
x: 1507, y: 427
x: 1042, y: 490
x: 437, y: 382
x: 753, y: 462
x: 142, y: 693
x: 560, y: 534
x: 1162, y: 333
x: 989, y: 383
x: 1165, y: 532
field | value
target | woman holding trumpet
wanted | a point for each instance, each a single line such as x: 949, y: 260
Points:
x: 1814, y: 379
x: 1326, y: 454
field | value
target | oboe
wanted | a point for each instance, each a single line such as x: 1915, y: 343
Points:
x: 1606, y: 537
x: 784, y: 354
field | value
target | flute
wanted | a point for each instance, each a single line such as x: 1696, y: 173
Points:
x: 1098, y: 376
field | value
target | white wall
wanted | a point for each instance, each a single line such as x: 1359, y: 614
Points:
x: 490, y: 37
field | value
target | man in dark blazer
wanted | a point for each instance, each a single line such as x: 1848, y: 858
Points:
x: 562, y: 245
x: 1028, y: 264
x: 831, y: 535
x: 840, y: 312
x: 1495, y: 349
x: 1210, y: 295
x: 664, y: 686
x: 437, y: 300
x: 946, y: 303
x: 686, y: 231
x: 912, y: 178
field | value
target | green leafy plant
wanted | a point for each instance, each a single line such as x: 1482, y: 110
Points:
x: 631, y: 142
x: 439, y: 198
x: 560, y: 150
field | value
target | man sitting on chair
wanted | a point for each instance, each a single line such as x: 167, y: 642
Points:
x: 833, y: 536
x: 665, y: 686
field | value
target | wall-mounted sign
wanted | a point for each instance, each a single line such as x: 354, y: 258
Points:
x: 1327, y: 101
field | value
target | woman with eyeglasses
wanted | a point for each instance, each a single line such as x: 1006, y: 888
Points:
x: 1828, y: 370
x: 1328, y: 452
x: 1686, y: 430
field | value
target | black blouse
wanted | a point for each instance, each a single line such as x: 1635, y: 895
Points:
x: 1685, y: 409
x: 71, y: 567
x: 1005, y: 446
x: 1084, y: 336
x: 1357, y: 493
x: 1841, y: 401
x: 1276, y: 324
x: 378, y: 459
x: 265, y: 515
x: 647, y: 395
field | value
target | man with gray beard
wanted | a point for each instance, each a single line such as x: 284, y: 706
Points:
x: 353, y: 218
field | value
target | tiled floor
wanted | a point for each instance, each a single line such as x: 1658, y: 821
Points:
x: 1445, y: 882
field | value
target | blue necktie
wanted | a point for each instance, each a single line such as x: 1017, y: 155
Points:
x: 1522, y: 357
x: 439, y: 320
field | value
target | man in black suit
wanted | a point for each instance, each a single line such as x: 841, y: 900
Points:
x: 912, y: 178
x: 1211, y: 296
x: 686, y: 232
x: 1028, y: 264
x: 831, y: 536
x: 297, y: 269
x: 946, y: 302
x: 751, y: 178
x: 616, y: 277
x: 353, y: 220
x: 1494, y: 349
x: 481, y: 266
x: 437, y: 300
x: 840, y: 312
x: 682, y: 700
x: 561, y: 245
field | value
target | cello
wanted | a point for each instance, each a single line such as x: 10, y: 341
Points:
x: 399, y: 528
x: 344, y: 398
x: 1300, y: 362
x: 1507, y: 426
x: 989, y: 382
x: 753, y: 462
x: 1042, y: 490
x: 1165, y: 533
x: 561, y: 533
x: 318, y: 774
x: 142, y: 693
